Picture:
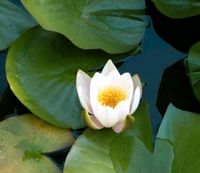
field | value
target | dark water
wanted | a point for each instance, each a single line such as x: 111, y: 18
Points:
x: 3, y: 83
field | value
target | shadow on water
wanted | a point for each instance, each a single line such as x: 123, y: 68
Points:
x: 3, y: 83
x: 156, y: 56
x: 175, y: 88
x: 180, y: 33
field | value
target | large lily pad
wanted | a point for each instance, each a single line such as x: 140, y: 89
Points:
x: 14, y: 21
x: 181, y: 128
x: 41, y: 69
x: 178, y: 8
x: 90, y: 153
x: 129, y: 155
x: 113, y: 26
x: 176, y: 148
x: 194, y: 69
x: 24, y: 138
x: 142, y: 126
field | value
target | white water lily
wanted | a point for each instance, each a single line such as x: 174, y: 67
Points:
x: 108, y: 97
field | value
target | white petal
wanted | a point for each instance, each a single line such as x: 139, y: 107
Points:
x: 122, y: 110
x: 123, y: 82
x: 110, y: 68
x: 135, y: 100
x: 97, y: 82
x: 83, y: 80
x: 84, y: 100
x: 137, y: 82
x: 119, y: 126
x: 126, y: 84
x: 83, y: 87
x: 106, y: 116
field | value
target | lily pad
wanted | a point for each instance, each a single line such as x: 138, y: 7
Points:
x: 181, y: 129
x: 194, y: 69
x: 41, y: 69
x: 113, y: 26
x: 142, y: 126
x: 24, y: 139
x: 90, y: 153
x: 126, y: 152
x: 129, y: 155
x: 178, y: 9
x: 177, y: 137
x: 14, y: 21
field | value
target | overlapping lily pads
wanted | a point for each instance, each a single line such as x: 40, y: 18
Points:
x: 90, y: 153
x: 181, y: 129
x: 129, y: 155
x: 177, y: 136
x: 24, y: 138
x: 14, y: 21
x: 194, y: 69
x: 104, y: 151
x: 41, y: 69
x: 113, y: 26
x: 178, y: 9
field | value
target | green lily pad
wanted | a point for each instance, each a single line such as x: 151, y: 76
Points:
x: 14, y: 21
x: 176, y: 147
x: 24, y: 138
x: 129, y: 155
x: 113, y: 26
x: 41, y: 69
x: 142, y: 126
x: 90, y: 153
x: 194, y: 68
x: 178, y: 9
x: 181, y: 128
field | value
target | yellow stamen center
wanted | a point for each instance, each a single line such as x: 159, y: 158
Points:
x: 111, y: 96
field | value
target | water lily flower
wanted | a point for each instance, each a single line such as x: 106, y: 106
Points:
x: 108, y: 97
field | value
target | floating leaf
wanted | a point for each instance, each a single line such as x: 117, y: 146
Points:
x: 129, y: 155
x: 178, y: 8
x: 181, y: 129
x: 113, y: 26
x: 194, y: 68
x: 176, y: 138
x: 41, y: 69
x: 24, y: 138
x: 14, y: 21
x: 142, y: 126
x: 90, y: 153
